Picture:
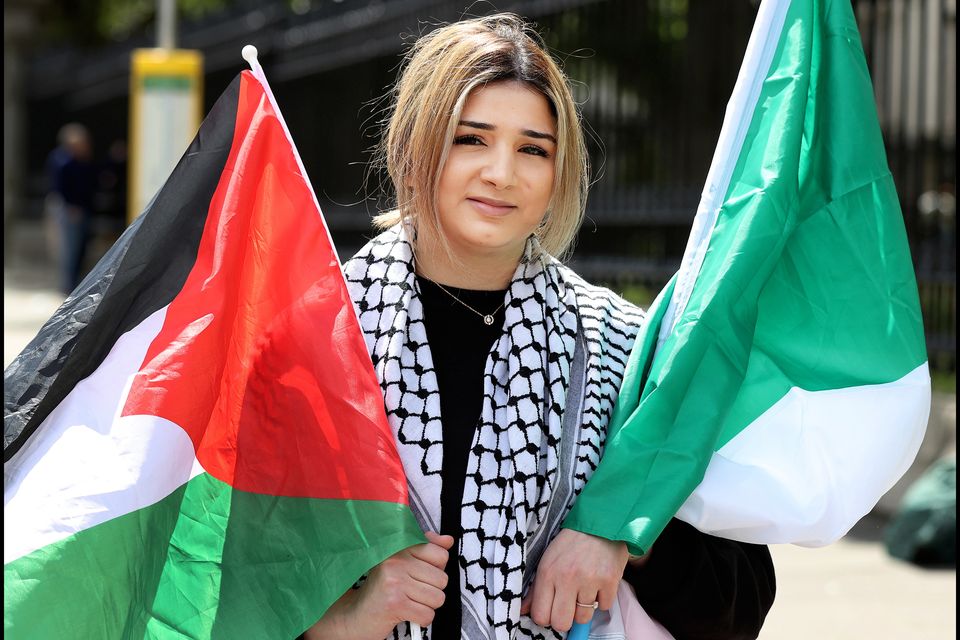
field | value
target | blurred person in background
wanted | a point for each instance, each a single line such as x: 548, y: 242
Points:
x: 72, y: 177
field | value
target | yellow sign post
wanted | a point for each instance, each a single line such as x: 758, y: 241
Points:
x: 166, y: 107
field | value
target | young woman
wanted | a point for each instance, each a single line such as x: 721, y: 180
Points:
x: 500, y: 368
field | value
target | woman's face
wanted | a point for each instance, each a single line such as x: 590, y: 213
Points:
x: 496, y: 184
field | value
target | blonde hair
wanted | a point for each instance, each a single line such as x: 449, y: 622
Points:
x: 439, y: 72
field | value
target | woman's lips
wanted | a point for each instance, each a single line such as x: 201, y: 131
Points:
x: 491, y: 207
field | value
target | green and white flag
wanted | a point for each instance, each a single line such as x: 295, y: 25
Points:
x: 781, y: 386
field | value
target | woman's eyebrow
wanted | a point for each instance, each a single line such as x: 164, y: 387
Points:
x: 530, y: 133
x: 477, y: 125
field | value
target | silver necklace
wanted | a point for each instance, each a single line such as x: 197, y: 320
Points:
x: 487, y: 317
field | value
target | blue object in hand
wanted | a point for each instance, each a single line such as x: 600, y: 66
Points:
x: 580, y: 631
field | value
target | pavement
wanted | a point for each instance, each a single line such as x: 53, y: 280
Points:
x: 848, y: 590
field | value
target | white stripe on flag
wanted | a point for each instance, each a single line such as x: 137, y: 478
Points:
x: 800, y: 473
x: 764, y: 40
x: 85, y: 465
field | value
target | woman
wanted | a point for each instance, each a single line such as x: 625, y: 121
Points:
x: 500, y: 368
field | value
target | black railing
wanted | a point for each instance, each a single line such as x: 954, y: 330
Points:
x: 911, y: 50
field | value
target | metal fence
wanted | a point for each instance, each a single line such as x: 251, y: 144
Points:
x: 911, y: 48
x: 653, y: 86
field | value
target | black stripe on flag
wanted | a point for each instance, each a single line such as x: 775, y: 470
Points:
x: 143, y: 272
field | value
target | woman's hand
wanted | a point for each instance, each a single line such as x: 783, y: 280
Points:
x: 407, y: 586
x: 576, y: 567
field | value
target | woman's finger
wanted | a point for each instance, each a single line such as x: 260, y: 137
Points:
x: 564, y: 607
x: 541, y: 602
x: 607, y: 595
x: 428, y: 574
x: 585, y: 614
x: 425, y: 594
x: 431, y: 553
x: 419, y: 613
x: 444, y: 541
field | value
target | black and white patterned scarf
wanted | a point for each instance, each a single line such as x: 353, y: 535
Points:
x: 550, y: 384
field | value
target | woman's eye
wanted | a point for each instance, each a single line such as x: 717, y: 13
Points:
x: 467, y: 140
x: 535, y: 150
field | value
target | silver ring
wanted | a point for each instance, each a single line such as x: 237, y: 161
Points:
x: 588, y: 606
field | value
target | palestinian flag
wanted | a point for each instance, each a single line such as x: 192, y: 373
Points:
x: 195, y: 444
x: 781, y: 385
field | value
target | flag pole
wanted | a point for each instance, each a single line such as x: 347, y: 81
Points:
x: 249, y: 53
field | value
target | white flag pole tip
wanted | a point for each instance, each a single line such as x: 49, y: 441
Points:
x: 249, y: 53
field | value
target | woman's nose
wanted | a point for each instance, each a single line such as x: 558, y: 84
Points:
x: 499, y: 169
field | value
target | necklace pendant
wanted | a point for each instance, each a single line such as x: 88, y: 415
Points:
x: 488, y: 320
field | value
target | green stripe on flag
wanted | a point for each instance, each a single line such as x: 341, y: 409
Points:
x: 797, y: 244
x: 166, y: 572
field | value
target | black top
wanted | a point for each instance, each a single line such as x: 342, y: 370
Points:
x: 698, y: 586
x: 459, y: 343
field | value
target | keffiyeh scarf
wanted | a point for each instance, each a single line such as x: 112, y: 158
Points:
x: 550, y: 384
